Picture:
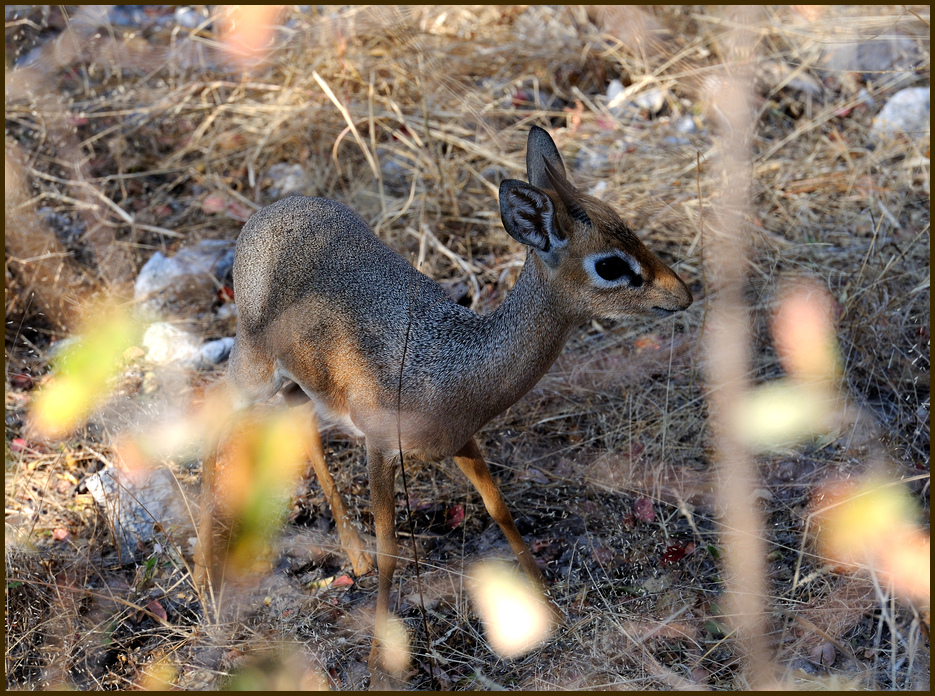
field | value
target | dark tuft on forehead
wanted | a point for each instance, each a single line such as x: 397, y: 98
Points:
x: 622, y: 232
x: 608, y: 220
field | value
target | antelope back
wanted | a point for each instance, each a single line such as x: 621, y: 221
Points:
x: 597, y: 266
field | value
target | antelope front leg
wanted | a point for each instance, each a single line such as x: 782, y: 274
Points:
x: 471, y: 462
x: 382, y: 471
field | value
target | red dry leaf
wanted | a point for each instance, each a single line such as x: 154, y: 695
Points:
x: 214, y: 203
x: 521, y: 97
x: 239, y: 211
x: 60, y: 534
x: 647, y: 342
x: 156, y: 608
x: 21, y: 381
x: 676, y: 552
x: 643, y: 510
x: 342, y: 581
x: 454, y: 516
x: 218, y: 203
x: 602, y: 554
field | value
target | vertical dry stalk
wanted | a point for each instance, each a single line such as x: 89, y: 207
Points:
x: 728, y: 352
x: 55, y: 282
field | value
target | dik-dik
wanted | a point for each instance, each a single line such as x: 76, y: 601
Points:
x: 329, y: 312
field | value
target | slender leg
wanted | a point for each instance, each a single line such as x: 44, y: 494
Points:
x: 219, y: 399
x: 470, y: 461
x: 206, y: 571
x: 204, y: 547
x: 350, y: 539
x: 382, y: 472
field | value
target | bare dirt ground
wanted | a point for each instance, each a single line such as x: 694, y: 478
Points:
x: 134, y: 131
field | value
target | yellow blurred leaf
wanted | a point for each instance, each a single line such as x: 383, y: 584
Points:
x: 159, y: 675
x: 82, y: 373
x: 394, y: 644
x: 863, y: 518
x: 515, y: 614
x: 261, y: 466
x: 874, y: 523
x: 782, y: 413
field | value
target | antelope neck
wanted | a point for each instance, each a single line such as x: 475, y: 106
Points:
x: 524, y: 335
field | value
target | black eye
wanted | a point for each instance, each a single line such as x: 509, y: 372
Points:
x: 614, y: 268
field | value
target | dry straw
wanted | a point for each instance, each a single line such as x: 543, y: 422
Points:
x: 124, y: 141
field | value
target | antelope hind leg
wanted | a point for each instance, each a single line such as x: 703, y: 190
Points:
x: 353, y: 545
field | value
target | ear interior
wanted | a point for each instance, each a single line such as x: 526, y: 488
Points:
x: 567, y: 193
x: 540, y: 150
x: 528, y: 215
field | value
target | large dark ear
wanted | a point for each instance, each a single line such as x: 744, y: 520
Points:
x: 529, y: 216
x: 541, y: 149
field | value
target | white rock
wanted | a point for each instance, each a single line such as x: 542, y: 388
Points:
x: 133, y: 504
x: 214, y: 352
x: 227, y: 311
x: 652, y: 100
x: 287, y: 180
x: 598, y: 189
x: 686, y: 125
x: 167, y: 284
x: 874, y: 56
x: 614, y: 88
x: 166, y: 343
x: 907, y: 112
x: 187, y: 17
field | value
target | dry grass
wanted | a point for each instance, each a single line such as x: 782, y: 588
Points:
x: 119, y: 140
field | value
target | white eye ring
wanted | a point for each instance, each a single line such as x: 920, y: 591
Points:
x: 631, y: 279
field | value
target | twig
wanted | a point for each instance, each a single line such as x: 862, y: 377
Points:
x: 350, y: 123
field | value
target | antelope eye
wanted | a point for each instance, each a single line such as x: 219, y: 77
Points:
x: 614, y: 268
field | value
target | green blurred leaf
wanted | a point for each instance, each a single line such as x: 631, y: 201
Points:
x: 82, y: 373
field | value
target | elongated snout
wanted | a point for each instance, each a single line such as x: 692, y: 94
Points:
x: 672, y: 295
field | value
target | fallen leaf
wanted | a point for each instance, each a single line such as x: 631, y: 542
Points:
x: 673, y: 553
x: 133, y: 353
x: 239, y: 211
x: 156, y: 608
x: 60, y: 534
x: 214, y: 203
x: 455, y: 516
x: 342, y: 581
x: 823, y: 654
x: 647, y: 342
x: 21, y: 381
x: 643, y: 510
x: 602, y: 554
x: 535, y: 475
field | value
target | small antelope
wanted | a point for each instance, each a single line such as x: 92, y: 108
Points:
x: 329, y: 312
